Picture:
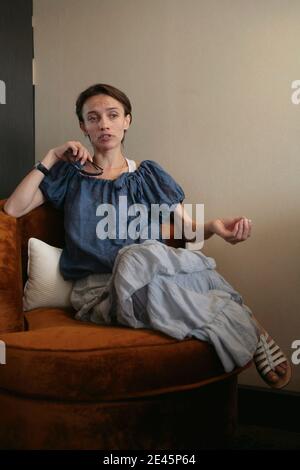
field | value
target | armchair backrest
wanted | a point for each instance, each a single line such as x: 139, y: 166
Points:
x: 45, y: 223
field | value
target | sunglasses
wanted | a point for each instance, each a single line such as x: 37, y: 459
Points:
x: 97, y: 170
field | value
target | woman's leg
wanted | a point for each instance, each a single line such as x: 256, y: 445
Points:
x: 280, y: 372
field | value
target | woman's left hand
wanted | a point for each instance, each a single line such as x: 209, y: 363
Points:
x: 233, y: 230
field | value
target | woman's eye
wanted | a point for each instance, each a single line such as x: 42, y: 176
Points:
x: 113, y: 115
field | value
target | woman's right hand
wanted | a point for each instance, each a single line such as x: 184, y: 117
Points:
x: 71, y: 151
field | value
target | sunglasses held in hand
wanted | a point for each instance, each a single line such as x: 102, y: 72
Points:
x: 97, y: 170
x: 79, y: 167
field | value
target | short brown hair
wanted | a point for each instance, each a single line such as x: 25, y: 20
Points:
x: 103, y: 89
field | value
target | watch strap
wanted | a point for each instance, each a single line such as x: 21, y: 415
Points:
x: 39, y: 166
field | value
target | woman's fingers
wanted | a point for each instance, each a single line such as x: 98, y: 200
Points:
x: 242, y: 230
x: 85, y: 157
x: 74, y: 148
x: 250, y: 227
x: 79, y: 154
x: 89, y: 157
x: 67, y: 151
x: 70, y: 154
x: 76, y: 152
x: 73, y: 151
x: 236, y: 228
x: 246, y: 229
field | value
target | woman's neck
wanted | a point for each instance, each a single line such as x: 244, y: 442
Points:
x: 109, y: 160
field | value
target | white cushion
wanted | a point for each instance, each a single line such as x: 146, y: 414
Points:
x: 45, y: 286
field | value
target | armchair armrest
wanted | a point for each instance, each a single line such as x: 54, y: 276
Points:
x: 11, y: 290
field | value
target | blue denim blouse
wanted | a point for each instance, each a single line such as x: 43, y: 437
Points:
x: 79, y: 196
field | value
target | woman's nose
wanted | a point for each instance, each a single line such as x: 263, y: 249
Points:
x: 103, y: 123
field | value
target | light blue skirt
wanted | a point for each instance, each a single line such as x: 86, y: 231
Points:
x: 173, y: 290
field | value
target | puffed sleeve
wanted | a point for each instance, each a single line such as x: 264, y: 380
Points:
x: 54, y: 186
x: 158, y: 186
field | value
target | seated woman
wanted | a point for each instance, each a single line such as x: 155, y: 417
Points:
x: 78, y: 183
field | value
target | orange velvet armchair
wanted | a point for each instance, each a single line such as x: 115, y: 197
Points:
x: 73, y: 385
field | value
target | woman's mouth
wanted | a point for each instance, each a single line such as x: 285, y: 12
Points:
x: 105, y: 137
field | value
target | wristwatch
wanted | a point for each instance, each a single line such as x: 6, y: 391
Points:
x: 39, y: 166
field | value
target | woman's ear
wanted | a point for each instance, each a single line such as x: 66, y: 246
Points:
x: 82, y: 127
x: 127, y: 122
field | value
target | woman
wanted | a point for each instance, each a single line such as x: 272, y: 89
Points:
x: 76, y: 181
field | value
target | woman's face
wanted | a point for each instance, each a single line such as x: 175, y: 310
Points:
x: 104, y: 121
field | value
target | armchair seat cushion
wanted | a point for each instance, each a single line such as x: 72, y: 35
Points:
x: 59, y: 358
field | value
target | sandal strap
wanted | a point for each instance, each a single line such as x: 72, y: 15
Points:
x: 268, y: 355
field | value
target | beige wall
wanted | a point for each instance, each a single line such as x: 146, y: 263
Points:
x: 210, y: 85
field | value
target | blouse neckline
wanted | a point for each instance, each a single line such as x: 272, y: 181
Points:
x: 132, y: 168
